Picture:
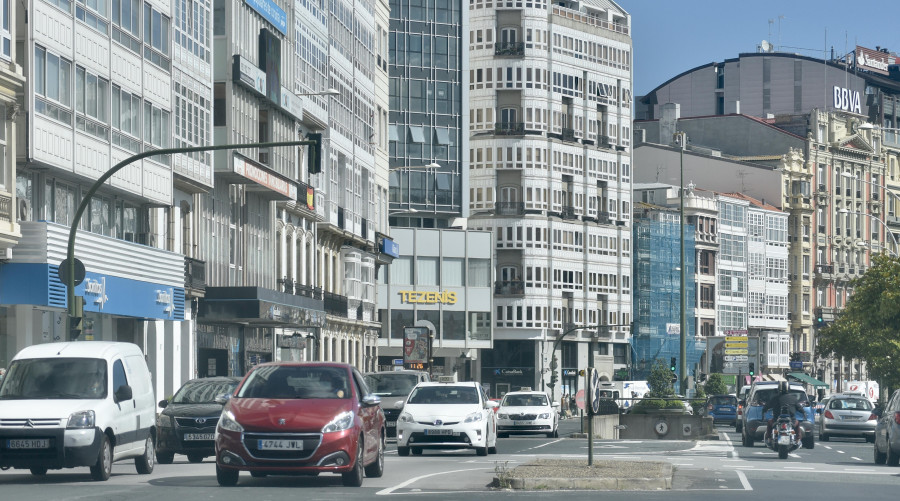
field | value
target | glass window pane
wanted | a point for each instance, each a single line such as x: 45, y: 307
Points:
x: 90, y: 99
x: 453, y: 272
x: 427, y: 271
x: 53, y: 76
x: 116, y: 117
x: 39, y: 70
x: 65, y: 88
x: 79, y: 90
x: 102, y: 99
x: 479, y: 272
x: 401, y: 271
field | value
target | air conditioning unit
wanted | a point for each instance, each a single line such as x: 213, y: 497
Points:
x: 24, y: 213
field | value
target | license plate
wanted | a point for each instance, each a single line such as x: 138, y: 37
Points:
x: 390, y: 424
x: 28, y: 443
x: 280, y: 445
x: 199, y: 436
x: 522, y: 423
x: 784, y: 440
x: 438, y: 431
x: 851, y: 418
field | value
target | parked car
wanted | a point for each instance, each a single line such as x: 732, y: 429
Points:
x: 527, y: 412
x: 754, y: 422
x: 393, y: 387
x: 187, y: 424
x: 722, y: 408
x: 447, y: 415
x: 84, y: 403
x: 887, y: 432
x: 847, y: 416
x: 301, y: 418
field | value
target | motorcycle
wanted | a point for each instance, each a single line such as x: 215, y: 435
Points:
x: 784, y: 438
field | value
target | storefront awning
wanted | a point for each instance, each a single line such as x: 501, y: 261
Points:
x: 259, y: 307
x: 803, y: 378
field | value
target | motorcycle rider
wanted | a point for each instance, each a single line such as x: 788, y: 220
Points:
x: 784, y: 399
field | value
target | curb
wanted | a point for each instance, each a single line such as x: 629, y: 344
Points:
x: 602, y: 484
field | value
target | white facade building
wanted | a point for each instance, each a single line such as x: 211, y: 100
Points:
x: 550, y: 176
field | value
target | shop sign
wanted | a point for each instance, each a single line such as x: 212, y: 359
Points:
x: 847, y: 100
x: 445, y: 297
x: 96, y: 288
x: 390, y: 247
x: 873, y: 60
x: 509, y: 372
x: 264, y: 178
x: 249, y: 74
x: 291, y: 104
x: 271, y: 12
x: 570, y: 372
x: 167, y: 300
x: 259, y: 344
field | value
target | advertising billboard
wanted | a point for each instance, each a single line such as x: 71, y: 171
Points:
x: 416, y: 348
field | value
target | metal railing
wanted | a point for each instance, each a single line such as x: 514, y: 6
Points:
x: 336, y: 304
x: 509, y: 49
x: 509, y: 208
x: 6, y: 213
x: 509, y: 128
x: 509, y: 287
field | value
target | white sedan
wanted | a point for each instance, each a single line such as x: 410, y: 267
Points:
x: 527, y: 412
x: 447, y: 416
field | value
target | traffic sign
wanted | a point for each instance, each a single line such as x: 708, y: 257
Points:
x: 579, y: 399
x: 595, y: 390
x: 736, y: 345
x: 736, y: 351
x: 63, y: 272
x: 796, y: 364
x: 736, y: 358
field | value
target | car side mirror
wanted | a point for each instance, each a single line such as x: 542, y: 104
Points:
x: 490, y: 404
x: 555, y: 405
x: 163, y: 404
x: 123, y: 393
x: 223, y: 398
x: 371, y: 400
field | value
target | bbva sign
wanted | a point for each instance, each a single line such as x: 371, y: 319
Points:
x: 847, y: 100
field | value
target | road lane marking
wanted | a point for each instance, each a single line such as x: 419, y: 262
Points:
x: 840, y: 452
x: 744, y: 481
x: 544, y: 445
x: 798, y: 468
x: 856, y: 458
x: 390, y: 490
x: 828, y: 447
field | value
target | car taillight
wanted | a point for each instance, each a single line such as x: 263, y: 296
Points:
x: 710, y: 406
x: 872, y: 417
x: 829, y: 415
x: 897, y: 417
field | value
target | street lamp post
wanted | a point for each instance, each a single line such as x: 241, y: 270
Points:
x: 681, y: 141
x: 76, y: 313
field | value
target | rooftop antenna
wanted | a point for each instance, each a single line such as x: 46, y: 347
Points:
x: 779, y: 31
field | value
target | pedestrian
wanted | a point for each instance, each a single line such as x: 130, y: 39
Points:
x: 564, y: 406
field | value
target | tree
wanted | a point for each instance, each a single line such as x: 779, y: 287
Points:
x: 715, y: 385
x: 869, y: 326
x: 660, y: 380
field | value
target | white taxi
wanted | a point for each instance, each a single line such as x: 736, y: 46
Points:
x: 527, y: 412
x: 447, y: 416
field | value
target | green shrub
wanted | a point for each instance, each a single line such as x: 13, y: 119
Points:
x: 674, y: 404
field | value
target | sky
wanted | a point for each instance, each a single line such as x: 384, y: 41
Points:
x: 673, y: 36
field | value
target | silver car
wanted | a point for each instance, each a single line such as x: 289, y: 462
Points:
x: 887, y: 433
x: 846, y: 416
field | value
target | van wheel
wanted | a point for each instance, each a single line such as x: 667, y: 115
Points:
x: 195, y: 458
x: 417, y: 451
x: 102, y: 469
x: 38, y: 471
x: 144, y: 464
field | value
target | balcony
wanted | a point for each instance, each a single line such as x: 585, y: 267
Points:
x: 308, y: 291
x: 194, y: 275
x: 509, y: 128
x: 824, y: 269
x: 509, y: 49
x: 604, y: 141
x: 568, y: 135
x: 336, y: 304
x: 568, y: 212
x: 509, y: 208
x: 605, y: 217
x: 286, y: 285
x: 509, y: 288
x: 6, y: 213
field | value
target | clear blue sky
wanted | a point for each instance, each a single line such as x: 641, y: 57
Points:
x: 673, y: 36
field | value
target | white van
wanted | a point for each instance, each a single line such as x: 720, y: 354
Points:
x: 82, y: 403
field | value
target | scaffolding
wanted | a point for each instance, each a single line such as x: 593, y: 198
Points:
x: 657, y: 292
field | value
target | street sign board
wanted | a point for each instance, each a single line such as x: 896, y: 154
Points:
x: 736, y: 368
x: 736, y: 351
x: 735, y: 339
x: 736, y: 345
x: 735, y: 358
x: 796, y: 364
x: 595, y: 390
x: 579, y: 399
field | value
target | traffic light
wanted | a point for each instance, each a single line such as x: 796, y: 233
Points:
x: 820, y: 320
x: 76, y: 322
x: 672, y: 364
x: 314, y: 153
x: 752, y: 368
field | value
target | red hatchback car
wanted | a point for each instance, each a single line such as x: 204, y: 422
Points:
x: 301, y: 418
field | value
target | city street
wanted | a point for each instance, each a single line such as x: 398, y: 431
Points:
x: 703, y: 469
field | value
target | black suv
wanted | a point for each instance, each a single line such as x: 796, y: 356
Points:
x: 188, y: 421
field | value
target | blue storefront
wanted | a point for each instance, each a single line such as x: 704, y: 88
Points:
x: 132, y: 293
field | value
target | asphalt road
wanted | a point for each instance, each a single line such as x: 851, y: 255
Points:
x: 703, y: 470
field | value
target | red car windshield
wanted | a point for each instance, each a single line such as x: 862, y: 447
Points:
x: 290, y: 382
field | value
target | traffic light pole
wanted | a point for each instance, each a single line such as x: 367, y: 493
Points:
x: 76, y: 311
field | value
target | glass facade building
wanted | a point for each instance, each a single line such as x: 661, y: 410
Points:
x: 427, y: 127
